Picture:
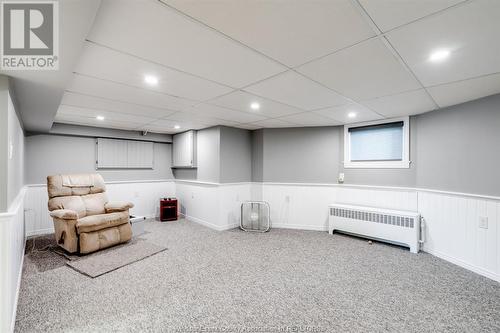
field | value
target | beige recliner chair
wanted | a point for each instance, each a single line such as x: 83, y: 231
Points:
x: 84, y: 220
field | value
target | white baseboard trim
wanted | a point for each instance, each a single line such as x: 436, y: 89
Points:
x: 18, y: 290
x: 40, y: 232
x: 208, y: 224
x: 463, y: 264
x: 298, y: 227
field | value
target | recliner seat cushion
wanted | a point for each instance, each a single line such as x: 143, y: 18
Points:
x: 101, y: 221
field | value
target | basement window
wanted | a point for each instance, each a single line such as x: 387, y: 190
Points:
x: 377, y: 144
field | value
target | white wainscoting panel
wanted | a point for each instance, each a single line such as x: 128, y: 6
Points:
x: 199, y: 202
x: 380, y: 197
x: 212, y: 204
x: 145, y: 195
x: 299, y: 206
x: 230, y: 198
x: 12, y: 242
x: 453, y: 232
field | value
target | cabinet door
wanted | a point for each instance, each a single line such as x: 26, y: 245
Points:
x: 182, y: 149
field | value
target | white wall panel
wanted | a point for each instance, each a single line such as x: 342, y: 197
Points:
x: 453, y: 232
x: 231, y: 196
x: 12, y: 237
x: 199, y: 202
x: 144, y: 195
x: 299, y: 206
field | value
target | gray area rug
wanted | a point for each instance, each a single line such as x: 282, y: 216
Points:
x: 280, y: 281
x: 46, y: 255
x: 103, y: 262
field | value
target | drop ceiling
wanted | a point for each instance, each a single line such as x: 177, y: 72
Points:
x: 306, y: 63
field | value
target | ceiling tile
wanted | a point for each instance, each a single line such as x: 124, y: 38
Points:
x: 122, y: 93
x: 364, y: 71
x: 404, y: 104
x: 241, y: 101
x: 109, y: 116
x: 105, y: 63
x: 198, y: 118
x: 207, y: 110
x: 86, y: 121
x: 293, y: 32
x: 99, y: 103
x: 467, y: 90
x: 169, y: 125
x: 296, y: 90
x: 341, y: 113
x: 161, y: 34
x: 470, y: 32
x: 273, y: 123
x: 389, y: 14
x: 249, y: 126
x: 310, y: 119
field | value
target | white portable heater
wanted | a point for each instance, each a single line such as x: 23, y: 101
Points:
x: 255, y: 216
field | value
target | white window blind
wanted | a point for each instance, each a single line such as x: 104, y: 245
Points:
x: 124, y: 154
x: 382, y: 142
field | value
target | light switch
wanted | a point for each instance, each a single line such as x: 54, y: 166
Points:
x: 483, y: 222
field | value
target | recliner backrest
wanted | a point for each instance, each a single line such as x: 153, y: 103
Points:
x: 82, y: 193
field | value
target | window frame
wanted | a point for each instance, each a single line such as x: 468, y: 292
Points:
x: 403, y: 164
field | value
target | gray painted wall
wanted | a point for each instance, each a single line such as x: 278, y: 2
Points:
x: 235, y: 155
x: 53, y: 154
x: 257, y: 155
x: 458, y: 148
x: 208, y: 158
x: 301, y: 155
x: 453, y: 149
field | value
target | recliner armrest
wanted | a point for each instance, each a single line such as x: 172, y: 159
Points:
x: 64, y: 214
x: 118, y: 206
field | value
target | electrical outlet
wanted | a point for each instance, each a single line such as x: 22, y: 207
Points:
x: 136, y: 194
x: 287, y: 198
x: 483, y: 222
x: 341, y: 178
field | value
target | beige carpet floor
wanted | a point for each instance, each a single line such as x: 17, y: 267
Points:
x: 281, y: 281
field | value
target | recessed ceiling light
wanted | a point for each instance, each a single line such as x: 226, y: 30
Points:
x: 351, y: 115
x: 101, y: 118
x: 255, y: 106
x: 439, y: 55
x: 151, y: 80
x: 177, y: 127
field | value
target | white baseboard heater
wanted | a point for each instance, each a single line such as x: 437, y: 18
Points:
x: 392, y: 226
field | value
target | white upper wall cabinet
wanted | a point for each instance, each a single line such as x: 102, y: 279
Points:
x: 124, y: 154
x: 184, y: 150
